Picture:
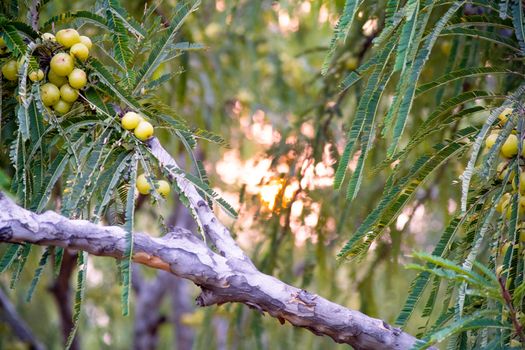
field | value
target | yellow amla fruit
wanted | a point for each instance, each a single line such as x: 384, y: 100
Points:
x: 491, y: 140
x: 67, y: 37
x: 36, y: 75
x: 86, y: 41
x: 56, y: 79
x: 62, y: 64
x: 80, y: 51
x: 163, y: 188
x: 131, y: 120
x: 502, y: 170
x: 144, y: 130
x: 504, y: 116
x: 510, y: 147
x: 10, y: 70
x: 503, y: 203
x: 522, y: 184
x: 143, y: 186
x: 77, y: 78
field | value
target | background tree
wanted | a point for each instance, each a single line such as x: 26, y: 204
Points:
x: 394, y: 106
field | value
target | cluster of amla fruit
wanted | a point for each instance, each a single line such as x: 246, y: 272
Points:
x: 142, y: 129
x: 509, y: 149
x: 144, y: 186
x: 64, y: 79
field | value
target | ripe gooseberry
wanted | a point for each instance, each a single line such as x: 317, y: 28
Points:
x: 491, y: 140
x: 144, y: 130
x: 163, y: 188
x: 510, y: 147
x: 56, y: 79
x: 143, y: 186
x: 49, y: 94
x: 10, y: 70
x: 86, y: 41
x: 68, y: 94
x: 36, y: 75
x: 80, y: 51
x: 62, y: 64
x: 62, y: 107
x: 77, y: 78
x: 67, y: 37
x: 131, y: 120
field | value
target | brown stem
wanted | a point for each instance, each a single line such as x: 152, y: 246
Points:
x: 61, y: 291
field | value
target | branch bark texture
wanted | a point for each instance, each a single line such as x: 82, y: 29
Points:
x: 222, y: 279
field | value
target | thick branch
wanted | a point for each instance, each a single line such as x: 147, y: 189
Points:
x: 222, y: 279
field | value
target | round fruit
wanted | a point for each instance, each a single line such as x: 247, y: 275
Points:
x: 50, y: 94
x: 67, y: 37
x: 77, y: 78
x: 56, y: 79
x: 446, y: 47
x: 68, y: 94
x: 36, y: 75
x: 504, y: 116
x: 502, y: 170
x: 86, y: 41
x: 10, y: 70
x: 130, y: 120
x: 62, y: 107
x: 352, y: 63
x: 143, y: 185
x: 2, y: 43
x: 491, y: 140
x: 62, y: 64
x: 510, y: 148
x: 144, y: 130
x: 503, y: 202
x: 80, y: 51
x: 522, y: 184
x: 163, y: 188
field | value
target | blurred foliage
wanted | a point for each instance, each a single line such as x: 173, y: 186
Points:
x: 289, y: 97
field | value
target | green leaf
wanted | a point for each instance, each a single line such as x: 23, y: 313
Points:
x: 405, y: 94
x: 119, y: 35
x: 518, y: 21
x: 159, y: 52
x: 398, y: 196
x: 125, y: 265
x: 420, y: 283
x: 114, y: 174
x: 484, y: 35
x: 341, y: 30
x: 38, y: 273
x: 10, y: 255
x: 408, y: 32
x: 13, y: 40
x: 21, y: 260
x: 67, y: 17
x: 461, y: 74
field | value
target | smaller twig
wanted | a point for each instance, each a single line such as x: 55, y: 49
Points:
x: 19, y: 327
x: 34, y: 14
x: 508, y: 301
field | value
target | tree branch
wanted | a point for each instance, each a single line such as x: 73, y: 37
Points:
x: 221, y: 279
x: 9, y: 315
